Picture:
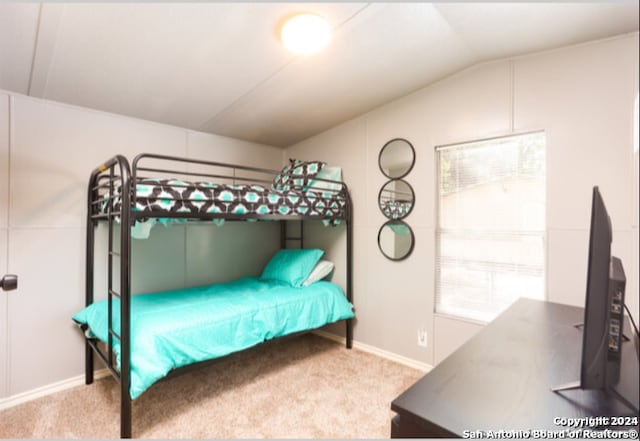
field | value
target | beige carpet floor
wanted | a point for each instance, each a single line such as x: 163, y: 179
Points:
x: 300, y: 387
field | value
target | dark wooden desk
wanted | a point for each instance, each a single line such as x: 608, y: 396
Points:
x: 501, y: 379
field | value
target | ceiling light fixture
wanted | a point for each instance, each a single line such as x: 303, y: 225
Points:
x: 306, y: 34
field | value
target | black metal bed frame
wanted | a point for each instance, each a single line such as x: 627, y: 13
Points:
x: 116, y: 173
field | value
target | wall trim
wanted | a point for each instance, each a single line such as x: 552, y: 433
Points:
x: 425, y: 367
x: 78, y: 380
x: 49, y: 389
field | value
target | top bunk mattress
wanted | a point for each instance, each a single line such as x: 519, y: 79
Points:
x: 307, y: 190
x: 157, y: 197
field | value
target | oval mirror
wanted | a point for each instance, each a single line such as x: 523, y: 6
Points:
x: 396, y: 199
x: 395, y: 240
x: 396, y: 158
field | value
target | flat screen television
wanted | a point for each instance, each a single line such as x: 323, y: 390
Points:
x: 604, y: 308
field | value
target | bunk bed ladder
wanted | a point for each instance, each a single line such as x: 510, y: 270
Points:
x: 123, y: 255
x: 287, y: 236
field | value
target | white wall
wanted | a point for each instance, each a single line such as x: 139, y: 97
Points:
x: 581, y: 96
x: 4, y: 233
x: 636, y: 196
x: 47, y: 152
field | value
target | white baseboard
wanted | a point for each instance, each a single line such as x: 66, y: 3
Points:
x: 49, y: 389
x: 59, y: 386
x: 377, y: 351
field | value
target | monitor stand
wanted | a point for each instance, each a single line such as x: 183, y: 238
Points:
x: 610, y: 390
x: 567, y: 386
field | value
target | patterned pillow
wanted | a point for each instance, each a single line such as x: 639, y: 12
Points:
x: 296, y: 175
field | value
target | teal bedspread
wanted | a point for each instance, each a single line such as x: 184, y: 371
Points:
x: 176, y: 328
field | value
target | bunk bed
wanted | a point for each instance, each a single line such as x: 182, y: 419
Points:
x: 164, y: 189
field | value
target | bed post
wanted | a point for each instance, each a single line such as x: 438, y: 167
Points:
x: 125, y: 299
x: 89, y: 262
x: 125, y: 280
x: 349, y: 323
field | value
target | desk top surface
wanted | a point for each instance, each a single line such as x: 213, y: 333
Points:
x: 501, y: 378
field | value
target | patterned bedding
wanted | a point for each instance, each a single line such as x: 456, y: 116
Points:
x: 157, y: 196
x: 173, y: 196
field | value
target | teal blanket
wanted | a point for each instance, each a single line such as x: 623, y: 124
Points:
x: 176, y: 328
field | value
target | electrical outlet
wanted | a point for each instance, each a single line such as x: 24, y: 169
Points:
x: 422, y: 338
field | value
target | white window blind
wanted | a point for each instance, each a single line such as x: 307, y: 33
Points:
x: 491, y: 225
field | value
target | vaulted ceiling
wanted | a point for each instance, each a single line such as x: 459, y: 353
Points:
x: 220, y: 67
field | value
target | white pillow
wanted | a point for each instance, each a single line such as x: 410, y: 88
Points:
x: 319, y: 272
x: 331, y: 172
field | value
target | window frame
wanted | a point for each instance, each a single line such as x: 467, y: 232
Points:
x: 437, y: 214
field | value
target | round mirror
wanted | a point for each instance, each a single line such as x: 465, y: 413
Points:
x: 395, y: 240
x: 396, y: 158
x: 396, y: 199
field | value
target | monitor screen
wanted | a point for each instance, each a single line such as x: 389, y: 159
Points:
x: 595, y: 345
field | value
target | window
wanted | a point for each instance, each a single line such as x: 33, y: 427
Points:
x: 491, y: 225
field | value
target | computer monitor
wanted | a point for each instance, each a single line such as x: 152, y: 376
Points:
x: 604, y: 308
x: 603, y: 304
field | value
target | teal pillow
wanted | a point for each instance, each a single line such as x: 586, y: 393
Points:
x: 331, y: 173
x: 292, y: 266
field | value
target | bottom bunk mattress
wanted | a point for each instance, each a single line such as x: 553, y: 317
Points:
x: 176, y: 328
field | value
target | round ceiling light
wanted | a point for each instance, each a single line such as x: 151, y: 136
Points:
x: 306, y: 34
